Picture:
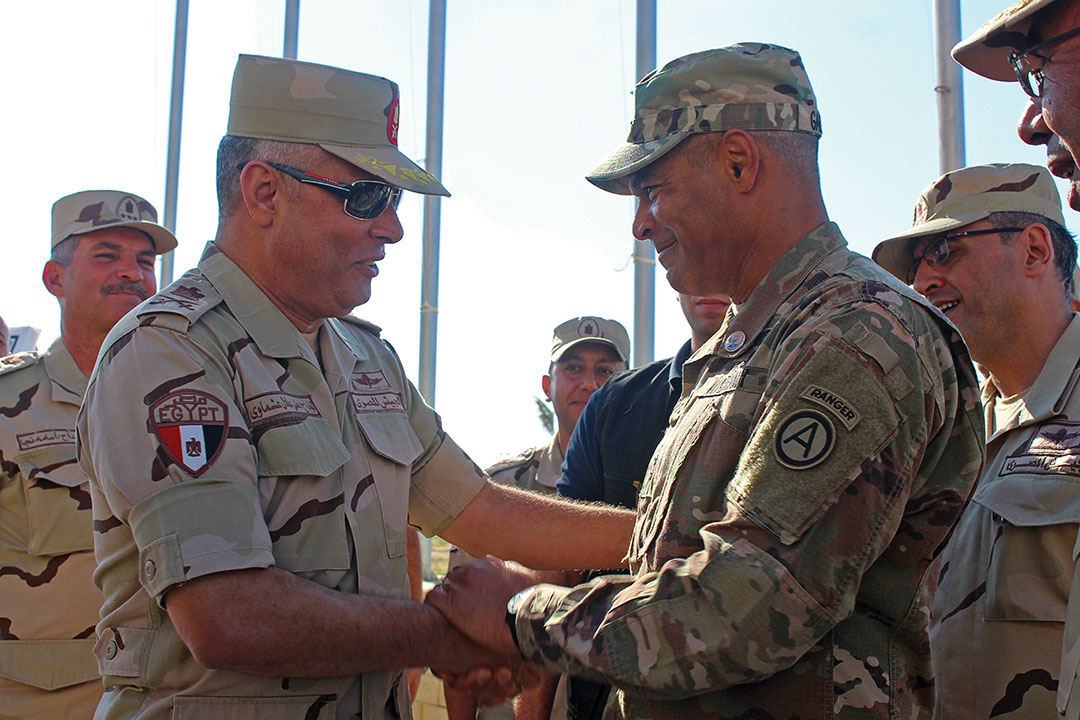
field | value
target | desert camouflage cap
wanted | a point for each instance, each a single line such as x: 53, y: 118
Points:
x: 349, y: 114
x: 986, y: 51
x: 751, y: 86
x: 965, y: 196
x: 590, y: 329
x: 90, y: 210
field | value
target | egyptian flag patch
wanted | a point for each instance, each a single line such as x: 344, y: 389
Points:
x: 191, y: 426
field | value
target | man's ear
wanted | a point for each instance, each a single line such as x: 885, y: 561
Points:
x: 740, y: 157
x: 545, y: 383
x: 262, y: 192
x: 53, y: 278
x: 1038, y: 248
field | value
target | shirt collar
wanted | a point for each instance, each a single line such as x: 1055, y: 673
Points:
x: 263, y: 321
x: 675, y: 371
x: 747, y: 319
x: 67, y: 380
x: 1052, y: 388
x: 550, y: 466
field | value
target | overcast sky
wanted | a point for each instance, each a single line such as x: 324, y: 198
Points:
x: 536, y: 94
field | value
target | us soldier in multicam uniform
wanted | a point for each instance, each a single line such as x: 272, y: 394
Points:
x: 102, y: 265
x: 826, y: 441
x: 585, y: 352
x: 988, y: 248
x: 256, y: 455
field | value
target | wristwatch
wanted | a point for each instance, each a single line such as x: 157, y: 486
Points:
x: 512, y: 605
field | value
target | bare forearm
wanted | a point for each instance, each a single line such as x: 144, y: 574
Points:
x: 542, y: 532
x: 270, y: 622
x: 535, y: 703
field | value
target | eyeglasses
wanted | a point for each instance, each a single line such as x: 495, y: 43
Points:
x: 1031, y: 77
x: 364, y: 199
x: 937, y: 251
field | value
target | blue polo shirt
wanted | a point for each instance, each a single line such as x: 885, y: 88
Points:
x: 620, y: 427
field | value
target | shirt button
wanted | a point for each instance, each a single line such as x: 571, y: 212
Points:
x: 149, y: 569
x: 110, y: 650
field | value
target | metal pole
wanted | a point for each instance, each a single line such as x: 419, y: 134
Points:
x: 949, y: 88
x: 292, y: 28
x: 176, y: 116
x: 643, y: 253
x: 429, y: 282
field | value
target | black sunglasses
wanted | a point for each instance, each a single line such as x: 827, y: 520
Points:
x: 1031, y: 77
x: 364, y: 199
x: 936, y: 252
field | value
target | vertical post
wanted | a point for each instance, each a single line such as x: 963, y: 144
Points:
x: 949, y: 88
x: 429, y: 282
x: 643, y: 253
x: 176, y: 115
x: 292, y: 28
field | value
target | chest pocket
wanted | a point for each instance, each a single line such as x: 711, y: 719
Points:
x: 1034, y: 527
x: 700, y: 418
x: 57, y: 501
x: 302, y: 497
x: 394, y: 448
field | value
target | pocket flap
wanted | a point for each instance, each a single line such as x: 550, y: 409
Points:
x: 316, y: 707
x: 48, y: 664
x: 391, y: 436
x: 57, y: 462
x: 313, y: 447
x: 1031, y: 500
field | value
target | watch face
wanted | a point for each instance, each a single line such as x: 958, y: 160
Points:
x: 515, y: 601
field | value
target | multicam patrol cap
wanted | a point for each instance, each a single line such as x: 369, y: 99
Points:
x: 590, y: 329
x: 349, y: 114
x: 968, y: 195
x: 752, y: 86
x: 986, y: 51
x: 90, y: 210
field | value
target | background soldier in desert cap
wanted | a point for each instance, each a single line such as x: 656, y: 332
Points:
x: 256, y: 454
x: 827, y: 438
x: 989, y: 249
x: 104, y: 244
x: 1037, y: 42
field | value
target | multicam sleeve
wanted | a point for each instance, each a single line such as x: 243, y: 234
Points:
x: 819, y: 491
x: 169, y: 450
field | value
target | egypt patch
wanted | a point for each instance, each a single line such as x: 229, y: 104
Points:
x: 805, y: 439
x: 840, y: 407
x: 1054, y: 450
x: 191, y: 426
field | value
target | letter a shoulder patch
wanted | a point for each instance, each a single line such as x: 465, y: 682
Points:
x: 191, y: 426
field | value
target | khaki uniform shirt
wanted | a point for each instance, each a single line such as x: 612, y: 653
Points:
x: 826, y: 440
x: 48, y: 603
x: 215, y: 440
x: 999, y: 610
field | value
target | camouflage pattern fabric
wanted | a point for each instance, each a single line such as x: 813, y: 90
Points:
x: 535, y: 469
x: 749, y: 86
x: 826, y: 441
x: 48, y: 602
x: 215, y: 440
x: 92, y: 210
x: 999, y: 610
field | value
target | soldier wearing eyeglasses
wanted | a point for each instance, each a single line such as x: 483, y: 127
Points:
x: 101, y: 265
x: 1037, y: 43
x: 257, y: 455
x: 989, y: 249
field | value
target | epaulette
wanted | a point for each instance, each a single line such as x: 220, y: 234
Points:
x: 522, y: 458
x: 18, y: 361
x: 370, y: 327
x: 190, y: 297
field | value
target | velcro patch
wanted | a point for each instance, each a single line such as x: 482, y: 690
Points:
x: 191, y: 426
x: 844, y: 411
x: 804, y: 439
